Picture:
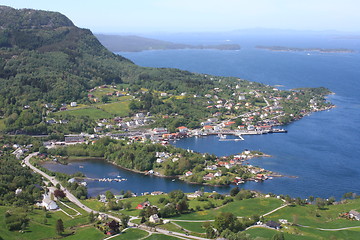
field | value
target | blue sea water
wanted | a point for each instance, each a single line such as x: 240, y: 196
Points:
x: 321, y: 150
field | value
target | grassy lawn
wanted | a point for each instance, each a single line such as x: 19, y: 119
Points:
x: 154, y: 200
x: 66, y: 209
x: 243, y: 208
x: 265, y: 233
x: 161, y: 237
x: 82, y: 211
x: 132, y: 233
x: 193, y: 203
x: 309, y: 233
x: 91, y: 112
x: 37, y: 229
x: 137, y: 221
x: 309, y: 215
x: 120, y: 109
x: 93, y: 203
x: 261, y: 232
x: 171, y: 227
x: 86, y: 233
x: 192, y: 226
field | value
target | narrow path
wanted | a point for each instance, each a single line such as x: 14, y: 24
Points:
x: 276, y: 209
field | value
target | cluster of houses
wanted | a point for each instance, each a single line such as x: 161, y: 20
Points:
x: 118, y: 123
x: 164, y: 156
x: 257, y: 172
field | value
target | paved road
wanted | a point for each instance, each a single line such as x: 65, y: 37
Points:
x: 76, y: 201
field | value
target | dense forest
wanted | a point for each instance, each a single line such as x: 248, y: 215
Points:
x: 12, y: 177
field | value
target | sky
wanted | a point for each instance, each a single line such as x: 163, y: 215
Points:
x: 137, y: 16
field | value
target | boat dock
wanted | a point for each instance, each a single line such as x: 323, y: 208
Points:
x: 107, y: 179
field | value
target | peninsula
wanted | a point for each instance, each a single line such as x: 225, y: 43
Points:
x: 122, y: 43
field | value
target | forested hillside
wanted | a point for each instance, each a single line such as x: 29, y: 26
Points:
x: 44, y: 58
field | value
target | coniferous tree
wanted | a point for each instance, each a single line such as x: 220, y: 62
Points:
x: 59, y: 226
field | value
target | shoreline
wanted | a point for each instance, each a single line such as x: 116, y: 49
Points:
x: 178, y: 177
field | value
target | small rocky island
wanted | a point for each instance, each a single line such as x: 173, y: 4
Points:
x: 293, y: 49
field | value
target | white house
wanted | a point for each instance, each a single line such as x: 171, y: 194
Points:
x: 159, y: 160
x: 154, y: 218
x: 355, y: 215
x: 73, y: 104
x: 48, y: 203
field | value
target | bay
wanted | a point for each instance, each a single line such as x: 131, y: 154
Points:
x: 321, y: 150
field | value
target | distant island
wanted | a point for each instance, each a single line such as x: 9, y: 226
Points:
x: 120, y: 43
x: 293, y: 49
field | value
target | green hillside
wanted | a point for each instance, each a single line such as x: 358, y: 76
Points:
x: 44, y: 58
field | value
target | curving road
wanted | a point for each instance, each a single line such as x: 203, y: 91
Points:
x: 76, y: 201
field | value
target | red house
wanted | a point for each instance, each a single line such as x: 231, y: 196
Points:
x: 143, y: 205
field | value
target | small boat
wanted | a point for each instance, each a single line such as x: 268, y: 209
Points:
x: 173, y: 180
x: 81, y: 166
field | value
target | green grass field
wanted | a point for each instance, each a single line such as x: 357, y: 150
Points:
x: 299, y: 233
x: 86, y: 233
x: 91, y: 112
x: 309, y: 215
x: 120, y: 109
x: 93, y: 203
x: 131, y: 234
x: 37, y: 229
x: 243, y: 208
x: 171, y: 227
x: 161, y: 237
x: 192, y: 226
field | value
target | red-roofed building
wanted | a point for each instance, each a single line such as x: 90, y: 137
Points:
x: 208, y: 127
x: 143, y: 205
x: 183, y: 129
x: 208, y: 176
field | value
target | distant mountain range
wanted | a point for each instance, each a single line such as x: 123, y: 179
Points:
x: 122, y: 43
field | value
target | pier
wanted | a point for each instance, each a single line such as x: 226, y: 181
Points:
x: 107, y: 179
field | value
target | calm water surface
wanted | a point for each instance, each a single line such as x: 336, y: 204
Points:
x: 321, y: 150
